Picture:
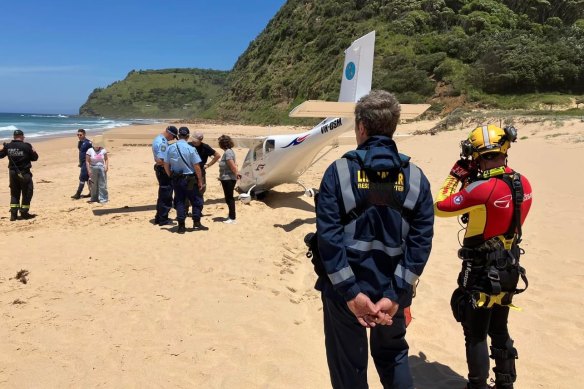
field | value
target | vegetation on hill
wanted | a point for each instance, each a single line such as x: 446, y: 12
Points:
x: 482, y: 51
x: 486, y: 53
x: 168, y: 93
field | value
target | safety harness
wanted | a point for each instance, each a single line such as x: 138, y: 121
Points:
x: 497, y: 259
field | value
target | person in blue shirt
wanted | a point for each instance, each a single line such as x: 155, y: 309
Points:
x: 205, y: 151
x: 159, y: 150
x: 374, y: 218
x: 183, y: 167
x: 83, y: 145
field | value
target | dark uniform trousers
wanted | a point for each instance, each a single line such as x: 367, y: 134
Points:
x: 185, y: 187
x: 20, y: 186
x: 164, y: 202
x: 347, y: 351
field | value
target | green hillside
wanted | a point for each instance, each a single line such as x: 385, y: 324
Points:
x: 502, y: 54
x: 179, y: 93
x: 476, y: 51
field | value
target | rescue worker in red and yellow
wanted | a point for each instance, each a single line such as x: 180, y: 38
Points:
x: 493, y: 200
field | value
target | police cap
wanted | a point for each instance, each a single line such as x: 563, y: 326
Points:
x: 172, y: 131
x: 184, y: 131
x: 18, y: 133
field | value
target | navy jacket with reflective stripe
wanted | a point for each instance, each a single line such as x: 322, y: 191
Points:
x: 380, y: 253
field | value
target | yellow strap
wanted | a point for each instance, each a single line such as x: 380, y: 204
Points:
x: 14, y: 205
x: 491, y: 300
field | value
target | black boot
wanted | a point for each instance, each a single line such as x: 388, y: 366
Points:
x: 505, y: 373
x: 13, y: 214
x: 181, y: 227
x: 77, y: 194
x: 25, y: 215
x: 197, y: 226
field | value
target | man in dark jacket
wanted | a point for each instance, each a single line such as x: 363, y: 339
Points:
x: 375, y: 225
x: 83, y: 145
x: 20, y: 154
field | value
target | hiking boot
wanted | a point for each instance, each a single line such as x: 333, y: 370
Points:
x: 181, y: 227
x: 13, y: 215
x: 197, y: 226
x: 76, y: 196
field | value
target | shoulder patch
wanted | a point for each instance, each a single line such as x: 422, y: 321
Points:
x: 163, y: 148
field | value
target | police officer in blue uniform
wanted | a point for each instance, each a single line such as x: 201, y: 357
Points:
x: 20, y: 155
x: 159, y: 150
x: 187, y: 180
x: 83, y: 145
x: 374, y: 219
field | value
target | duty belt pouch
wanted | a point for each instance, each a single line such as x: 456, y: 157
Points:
x: 191, y: 182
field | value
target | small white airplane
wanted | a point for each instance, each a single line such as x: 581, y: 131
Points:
x: 279, y: 159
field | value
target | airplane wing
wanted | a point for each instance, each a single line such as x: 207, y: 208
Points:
x: 329, y: 109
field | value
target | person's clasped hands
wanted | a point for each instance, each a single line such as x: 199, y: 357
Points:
x: 369, y: 314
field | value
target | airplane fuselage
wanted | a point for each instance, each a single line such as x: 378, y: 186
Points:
x: 280, y: 159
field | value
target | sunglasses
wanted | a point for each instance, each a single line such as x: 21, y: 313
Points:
x: 79, y: 134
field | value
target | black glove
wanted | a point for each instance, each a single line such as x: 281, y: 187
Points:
x: 463, y: 169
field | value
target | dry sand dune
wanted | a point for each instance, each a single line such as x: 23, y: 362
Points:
x: 113, y: 301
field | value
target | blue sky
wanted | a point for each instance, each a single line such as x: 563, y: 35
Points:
x: 53, y: 53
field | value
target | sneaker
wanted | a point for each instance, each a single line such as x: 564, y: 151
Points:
x: 229, y: 221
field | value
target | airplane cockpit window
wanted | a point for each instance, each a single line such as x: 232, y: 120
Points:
x: 270, y: 145
x: 258, y: 152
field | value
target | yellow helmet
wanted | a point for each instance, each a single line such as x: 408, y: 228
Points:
x: 488, y: 139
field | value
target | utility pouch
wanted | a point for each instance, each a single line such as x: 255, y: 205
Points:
x: 458, y: 302
x: 311, y: 241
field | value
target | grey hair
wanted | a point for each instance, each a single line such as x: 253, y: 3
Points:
x: 379, y: 113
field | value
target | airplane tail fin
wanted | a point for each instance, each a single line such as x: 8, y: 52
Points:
x: 358, y: 69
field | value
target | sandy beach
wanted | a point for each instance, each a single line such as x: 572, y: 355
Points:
x: 112, y: 301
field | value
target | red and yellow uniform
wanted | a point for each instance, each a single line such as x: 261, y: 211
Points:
x: 488, y: 202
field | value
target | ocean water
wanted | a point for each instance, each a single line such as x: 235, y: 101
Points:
x: 42, y: 125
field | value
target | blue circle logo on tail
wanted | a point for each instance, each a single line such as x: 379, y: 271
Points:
x: 350, y: 71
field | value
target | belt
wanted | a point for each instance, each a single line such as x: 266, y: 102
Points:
x: 181, y: 175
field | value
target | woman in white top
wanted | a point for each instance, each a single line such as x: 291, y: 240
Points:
x: 97, y: 166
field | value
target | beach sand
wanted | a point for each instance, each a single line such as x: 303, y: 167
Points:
x: 113, y: 301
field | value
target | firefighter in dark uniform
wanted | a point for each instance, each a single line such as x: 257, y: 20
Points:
x: 83, y: 145
x: 374, y: 218
x: 159, y: 150
x: 494, y: 201
x: 20, y: 155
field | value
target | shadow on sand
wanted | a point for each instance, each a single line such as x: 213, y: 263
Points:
x: 275, y: 199
x: 296, y: 223
x: 124, y: 209
x: 433, y: 375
